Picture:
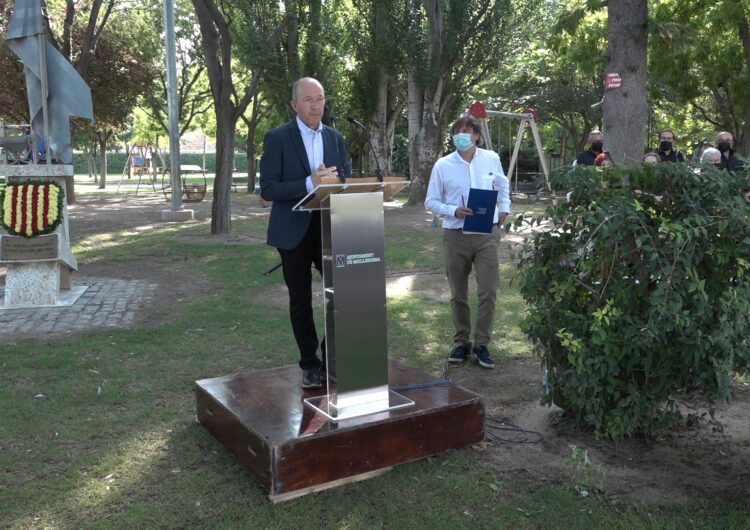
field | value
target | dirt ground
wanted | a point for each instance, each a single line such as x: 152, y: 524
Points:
x: 685, y: 463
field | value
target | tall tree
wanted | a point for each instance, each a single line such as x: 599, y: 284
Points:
x: 379, y: 84
x: 259, y: 110
x: 626, y: 107
x: 217, y: 30
x: 120, y: 70
x: 453, y: 45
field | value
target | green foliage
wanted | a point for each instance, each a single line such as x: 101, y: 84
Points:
x: 590, y: 478
x: 698, y: 66
x: 557, y: 71
x: 640, y: 292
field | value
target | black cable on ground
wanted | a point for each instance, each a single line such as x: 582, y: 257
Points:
x: 519, y: 434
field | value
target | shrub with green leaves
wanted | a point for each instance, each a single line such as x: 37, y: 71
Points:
x: 640, y: 292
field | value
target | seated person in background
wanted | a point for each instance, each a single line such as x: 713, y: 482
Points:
x: 711, y: 156
x: 596, y: 146
x: 666, y: 150
x: 604, y: 160
x: 652, y: 158
x: 725, y: 143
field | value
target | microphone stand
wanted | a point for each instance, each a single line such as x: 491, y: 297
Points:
x: 342, y: 178
x: 379, y: 171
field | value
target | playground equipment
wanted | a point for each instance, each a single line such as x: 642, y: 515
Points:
x: 140, y: 162
x: 191, y: 192
x: 527, y: 119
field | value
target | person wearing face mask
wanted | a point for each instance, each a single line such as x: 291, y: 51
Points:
x: 725, y: 143
x: 451, y: 179
x: 666, y: 150
x: 596, y: 147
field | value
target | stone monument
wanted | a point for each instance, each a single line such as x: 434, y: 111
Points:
x: 34, y: 237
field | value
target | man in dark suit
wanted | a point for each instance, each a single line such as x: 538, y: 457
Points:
x: 296, y: 157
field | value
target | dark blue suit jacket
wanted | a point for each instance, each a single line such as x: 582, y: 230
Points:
x: 283, y: 170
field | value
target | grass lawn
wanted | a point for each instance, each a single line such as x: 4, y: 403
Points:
x: 98, y: 430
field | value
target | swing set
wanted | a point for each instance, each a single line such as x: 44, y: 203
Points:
x: 142, y: 159
x: 527, y: 119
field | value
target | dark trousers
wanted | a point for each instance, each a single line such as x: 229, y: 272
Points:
x: 295, y: 263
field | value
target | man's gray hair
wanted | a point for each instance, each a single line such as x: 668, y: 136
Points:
x: 710, y: 152
x: 298, y: 81
x: 594, y: 133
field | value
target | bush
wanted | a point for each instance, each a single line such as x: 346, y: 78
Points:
x: 640, y: 293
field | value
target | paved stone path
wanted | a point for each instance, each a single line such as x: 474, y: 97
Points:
x: 106, y: 303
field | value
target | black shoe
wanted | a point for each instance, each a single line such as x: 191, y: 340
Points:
x: 311, y: 379
x: 483, y: 357
x: 323, y: 373
x: 459, y: 353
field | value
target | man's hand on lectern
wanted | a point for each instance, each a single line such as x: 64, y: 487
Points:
x: 321, y: 173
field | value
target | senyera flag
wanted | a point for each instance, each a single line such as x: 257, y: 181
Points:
x: 31, y: 208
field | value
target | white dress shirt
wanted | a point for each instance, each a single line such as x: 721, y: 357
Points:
x: 452, y: 177
x: 313, y: 141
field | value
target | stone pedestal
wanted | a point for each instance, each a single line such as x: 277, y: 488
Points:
x: 32, y: 284
x: 177, y: 215
x: 40, y: 266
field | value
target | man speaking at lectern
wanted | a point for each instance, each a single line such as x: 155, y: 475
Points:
x: 296, y: 157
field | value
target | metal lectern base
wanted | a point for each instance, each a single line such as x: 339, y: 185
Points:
x: 334, y: 413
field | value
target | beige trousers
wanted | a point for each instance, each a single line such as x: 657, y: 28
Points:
x: 462, y: 251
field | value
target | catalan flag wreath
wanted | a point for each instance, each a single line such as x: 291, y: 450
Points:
x: 31, y: 208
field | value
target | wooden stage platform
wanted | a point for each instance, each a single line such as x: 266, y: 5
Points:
x: 292, y: 450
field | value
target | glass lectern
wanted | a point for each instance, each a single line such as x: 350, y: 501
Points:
x: 353, y: 240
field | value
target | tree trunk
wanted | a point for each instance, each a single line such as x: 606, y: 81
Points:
x: 626, y: 107
x: 217, y: 46
x: 292, y: 43
x: 90, y: 152
x: 221, y: 209
x: 252, y: 127
x: 426, y: 151
x: 384, y: 119
x: 742, y: 139
x: 315, y: 43
x: 103, y: 137
x: 250, y: 149
x: 425, y: 140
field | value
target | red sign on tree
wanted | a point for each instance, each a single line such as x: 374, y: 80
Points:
x: 613, y: 81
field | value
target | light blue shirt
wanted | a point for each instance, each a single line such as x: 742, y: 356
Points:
x: 452, y: 177
x: 313, y: 142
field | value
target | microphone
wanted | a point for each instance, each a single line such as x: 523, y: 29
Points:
x: 352, y: 119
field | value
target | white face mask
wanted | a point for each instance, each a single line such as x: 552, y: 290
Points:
x: 463, y: 141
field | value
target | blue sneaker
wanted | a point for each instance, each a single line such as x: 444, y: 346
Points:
x: 483, y: 357
x: 459, y: 353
